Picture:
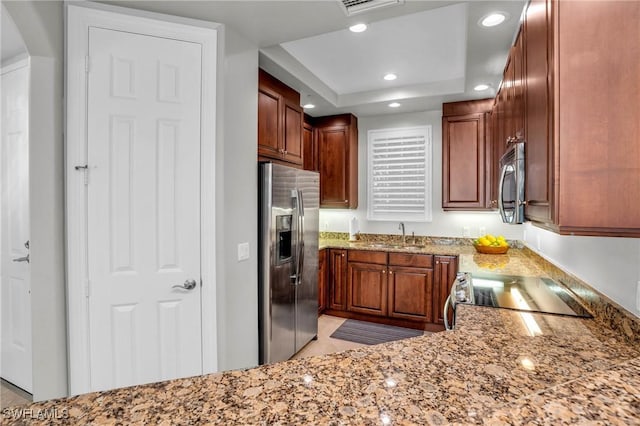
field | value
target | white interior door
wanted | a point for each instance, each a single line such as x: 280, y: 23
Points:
x: 144, y: 99
x: 16, y: 356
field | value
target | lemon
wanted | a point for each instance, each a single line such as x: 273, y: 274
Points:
x: 483, y: 241
x: 501, y: 238
x: 503, y: 243
x: 490, y: 237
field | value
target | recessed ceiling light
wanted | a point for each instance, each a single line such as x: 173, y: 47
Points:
x: 394, y: 105
x: 308, y: 106
x: 481, y: 87
x: 493, y: 19
x: 390, y: 77
x: 358, y: 28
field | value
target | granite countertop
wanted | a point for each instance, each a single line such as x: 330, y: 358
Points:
x: 489, y: 370
x: 514, y: 262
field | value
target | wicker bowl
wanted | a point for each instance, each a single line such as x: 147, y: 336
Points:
x: 491, y: 249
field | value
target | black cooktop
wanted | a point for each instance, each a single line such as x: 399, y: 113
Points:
x: 532, y: 294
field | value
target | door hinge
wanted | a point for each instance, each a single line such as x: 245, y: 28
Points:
x: 85, y: 170
x: 87, y: 288
x: 86, y: 63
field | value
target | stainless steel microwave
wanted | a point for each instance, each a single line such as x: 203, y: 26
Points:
x: 511, y: 187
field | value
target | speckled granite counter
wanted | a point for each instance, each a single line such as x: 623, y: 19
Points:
x: 517, y: 261
x: 514, y: 262
x: 488, y: 370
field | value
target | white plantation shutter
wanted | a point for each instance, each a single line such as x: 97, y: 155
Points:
x: 400, y: 174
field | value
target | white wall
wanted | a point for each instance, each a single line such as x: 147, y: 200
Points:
x: 609, y: 265
x: 445, y: 224
x: 237, y: 200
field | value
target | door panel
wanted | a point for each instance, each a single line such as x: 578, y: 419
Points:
x: 367, y: 288
x: 16, y: 356
x: 143, y: 208
x: 410, y: 293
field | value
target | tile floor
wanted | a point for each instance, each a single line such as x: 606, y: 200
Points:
x: 325, y: 345
x: 11, y: 396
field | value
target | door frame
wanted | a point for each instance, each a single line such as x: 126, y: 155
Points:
x: 79, y: 17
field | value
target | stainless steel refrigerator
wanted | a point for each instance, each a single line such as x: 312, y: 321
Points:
x: 289, y: 202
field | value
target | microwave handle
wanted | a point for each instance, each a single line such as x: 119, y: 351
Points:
x: 503, y: 173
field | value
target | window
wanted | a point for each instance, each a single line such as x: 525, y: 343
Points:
x: 399, y: 162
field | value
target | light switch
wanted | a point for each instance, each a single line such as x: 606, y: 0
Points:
x: 243, y: 251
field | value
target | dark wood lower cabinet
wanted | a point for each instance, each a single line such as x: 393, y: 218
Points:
x: 367, y: 288
x: 445, y: 272
x: 322, y: 280
x: 337, y: 279
x: 410, y: 292
x: 400, y: 289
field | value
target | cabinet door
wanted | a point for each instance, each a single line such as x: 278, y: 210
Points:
x: 309, y: 155
x: 411, y: 293
x: 494, y: 163
x: 464, y: 170
x: 337, y: 279
x: 322, y: 280
x: 445, y: 272
x: 292, y: 143
x: 518, y: 87
x: 269, y: 123
x: 538, y: 131
x: 367, y: 288
x: 333, y: 153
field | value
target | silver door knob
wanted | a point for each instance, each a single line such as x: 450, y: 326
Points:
x: 188, y: 285
x: 22, y: 259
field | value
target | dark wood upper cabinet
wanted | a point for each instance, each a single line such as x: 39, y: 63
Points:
x: 337, y: 149
x: 582, y: 126
x: 280, y: 120
x: 538, y: 53
x: 309, y: 146
x: 466, y: 155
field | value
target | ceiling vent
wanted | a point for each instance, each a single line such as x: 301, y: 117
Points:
x: 354, y: 7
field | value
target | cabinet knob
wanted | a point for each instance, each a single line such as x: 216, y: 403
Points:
x: 285, y: 152
x: 384, y: 272
x: 342, y: 254
x: 390, y: 272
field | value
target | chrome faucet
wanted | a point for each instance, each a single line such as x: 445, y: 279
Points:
x: 403, y: 235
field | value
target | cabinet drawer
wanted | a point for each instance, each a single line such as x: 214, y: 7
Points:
x: 379, y: 257
x: 407, y: 259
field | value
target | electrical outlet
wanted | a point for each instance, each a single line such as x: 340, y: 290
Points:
x: 243, y: 251
x: 466, y: 232
x: 482, y: 230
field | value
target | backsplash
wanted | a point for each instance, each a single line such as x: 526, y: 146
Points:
x: 418, y: 239
x: 601, y: 307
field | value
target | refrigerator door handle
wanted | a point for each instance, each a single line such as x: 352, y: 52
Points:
x: 301, y: 235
